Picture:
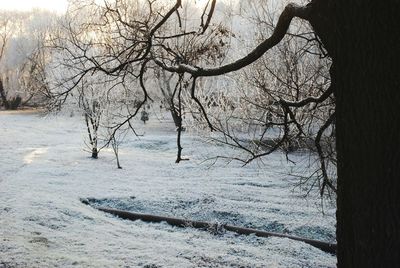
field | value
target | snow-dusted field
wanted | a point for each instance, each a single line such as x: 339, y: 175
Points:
x: 44, y: 173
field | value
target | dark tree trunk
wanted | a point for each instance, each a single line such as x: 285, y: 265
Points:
x: 363, y: 39
x: 3, y: 96
x: 95, y: 153
x: 175, y: 116
x: 12, y: 104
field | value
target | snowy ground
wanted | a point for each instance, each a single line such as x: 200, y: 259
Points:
x: 44, y: 173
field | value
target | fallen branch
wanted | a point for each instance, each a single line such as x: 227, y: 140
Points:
x: 325, y: 246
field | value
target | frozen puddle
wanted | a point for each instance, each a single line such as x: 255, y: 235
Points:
x: 34, y: 154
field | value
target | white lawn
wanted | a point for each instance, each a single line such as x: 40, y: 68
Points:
x: 44, y: 172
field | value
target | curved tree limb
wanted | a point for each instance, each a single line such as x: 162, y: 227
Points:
x: 326, y: 181
x: 309, y: 100
x: 193, y: 96
x: 291, y: 11
x: 209, y: 16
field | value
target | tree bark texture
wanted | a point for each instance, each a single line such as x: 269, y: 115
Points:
x: 363, y: 39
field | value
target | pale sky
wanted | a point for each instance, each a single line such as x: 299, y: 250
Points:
x: 54, y: 5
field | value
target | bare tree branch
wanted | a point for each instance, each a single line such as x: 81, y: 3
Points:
x: 291, y: 11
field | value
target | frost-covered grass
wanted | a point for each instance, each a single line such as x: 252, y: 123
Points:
x: 44, y: 173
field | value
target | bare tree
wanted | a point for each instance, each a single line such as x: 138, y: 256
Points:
x: 6, y: 32
x: 252, y: 117
x: 366, y: 202
x: 117, y: 34
x: 364, y: 86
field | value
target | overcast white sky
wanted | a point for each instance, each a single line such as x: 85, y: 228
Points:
x: 54, y: 5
